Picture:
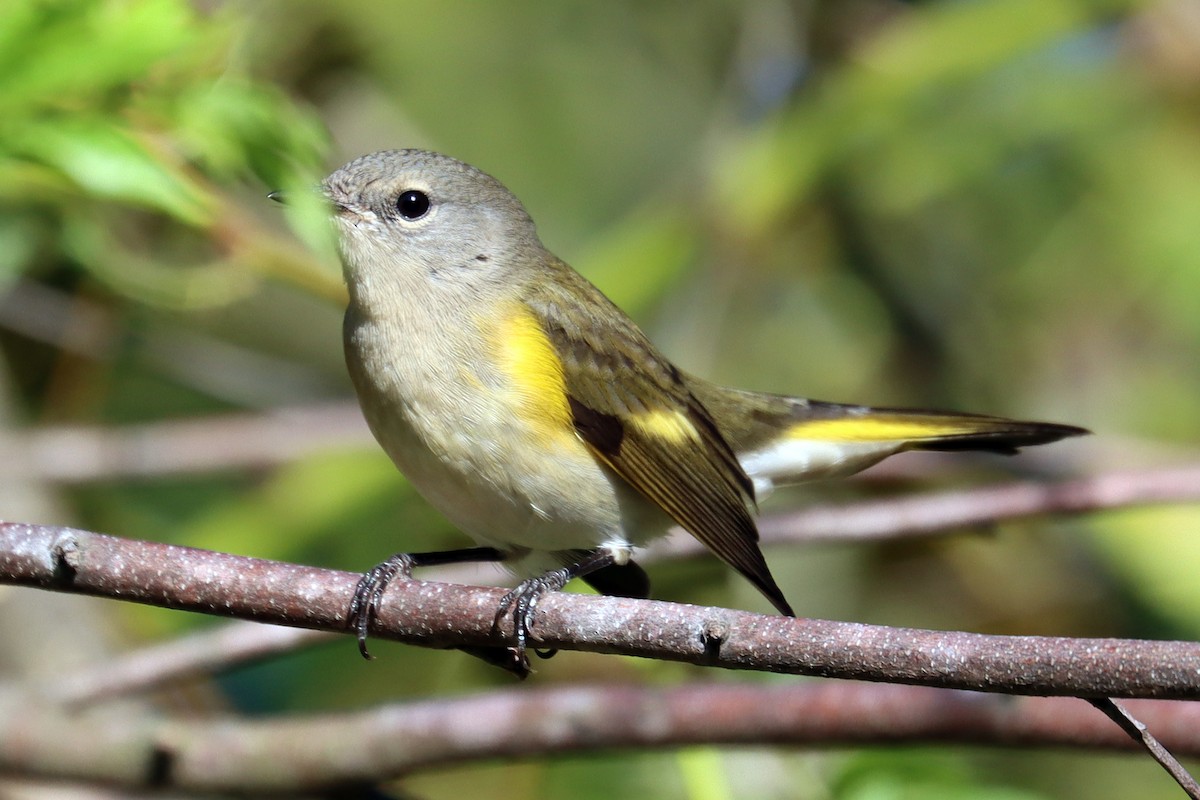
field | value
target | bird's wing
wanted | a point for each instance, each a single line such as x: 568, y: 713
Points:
x: 636, y: 413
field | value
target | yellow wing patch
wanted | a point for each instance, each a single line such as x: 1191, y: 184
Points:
x: 884, y: 428
x: 536, y: 388
x: 667, y: 425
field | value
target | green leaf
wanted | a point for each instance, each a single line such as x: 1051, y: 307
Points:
x: 55, y: 54
x: 110, y: 162
x: 234, y: 125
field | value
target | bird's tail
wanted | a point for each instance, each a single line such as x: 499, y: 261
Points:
x: 924, y: 430
x: 783, y: 440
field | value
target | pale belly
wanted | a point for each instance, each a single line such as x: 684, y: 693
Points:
x: 542, y: 498
x: 502, y: 475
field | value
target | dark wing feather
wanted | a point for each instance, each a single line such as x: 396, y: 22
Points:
x: 614, y: 377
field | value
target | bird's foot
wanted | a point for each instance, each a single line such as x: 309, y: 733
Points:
x: 368, y: 594
x: 522, y: 602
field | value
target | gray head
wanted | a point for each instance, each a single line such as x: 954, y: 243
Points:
x: 408, y: 216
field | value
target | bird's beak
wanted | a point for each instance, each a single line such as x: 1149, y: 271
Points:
x: 278, y: 197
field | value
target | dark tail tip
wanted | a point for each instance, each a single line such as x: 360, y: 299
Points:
x: 1007, y: 437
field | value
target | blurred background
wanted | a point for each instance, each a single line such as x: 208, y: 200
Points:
x: 985, y: 205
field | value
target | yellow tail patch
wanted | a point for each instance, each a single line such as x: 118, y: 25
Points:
x: 885, y: 428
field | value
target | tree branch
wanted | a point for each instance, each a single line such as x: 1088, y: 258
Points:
x: 925, y: 514
x: 444, y: 615
x: 326, y: 751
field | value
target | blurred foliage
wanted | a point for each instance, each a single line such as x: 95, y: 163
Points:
x: 152, y: 120
x: 989, y: 205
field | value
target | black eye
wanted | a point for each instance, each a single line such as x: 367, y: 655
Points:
x: 412, y: 204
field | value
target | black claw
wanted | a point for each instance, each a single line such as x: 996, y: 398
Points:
x: 523, y: 601
x: 368, y: 595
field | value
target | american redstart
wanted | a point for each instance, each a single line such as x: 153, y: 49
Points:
x: 538, y: 417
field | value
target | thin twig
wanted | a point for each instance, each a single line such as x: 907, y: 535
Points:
x: 1140, y: 733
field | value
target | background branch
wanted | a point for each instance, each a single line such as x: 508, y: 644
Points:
x: 935, y: 512
x: 323, y: 751
x: 930, y: 513
x: 82, y: 453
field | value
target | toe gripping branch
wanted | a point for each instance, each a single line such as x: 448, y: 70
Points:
x: 364, y: 607
x: 521, y: 601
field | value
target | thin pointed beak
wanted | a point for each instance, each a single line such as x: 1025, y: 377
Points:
x: 278, y: 197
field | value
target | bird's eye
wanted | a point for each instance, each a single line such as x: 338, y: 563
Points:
x: 412, y: 204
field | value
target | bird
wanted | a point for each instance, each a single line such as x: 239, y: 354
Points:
x: 541, y: 421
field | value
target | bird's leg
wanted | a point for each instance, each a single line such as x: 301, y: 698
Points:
x: 523, y: 599
x: 364, y: 607
x: 620, y: 580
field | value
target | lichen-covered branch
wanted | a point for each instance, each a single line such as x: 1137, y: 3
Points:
x: 446, y: 615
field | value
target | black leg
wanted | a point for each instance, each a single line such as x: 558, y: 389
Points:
x: 524, y: 598
x: 620, y: 580
x: 364, y: 607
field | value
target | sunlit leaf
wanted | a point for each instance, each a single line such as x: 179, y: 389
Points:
x: 109, y: 162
